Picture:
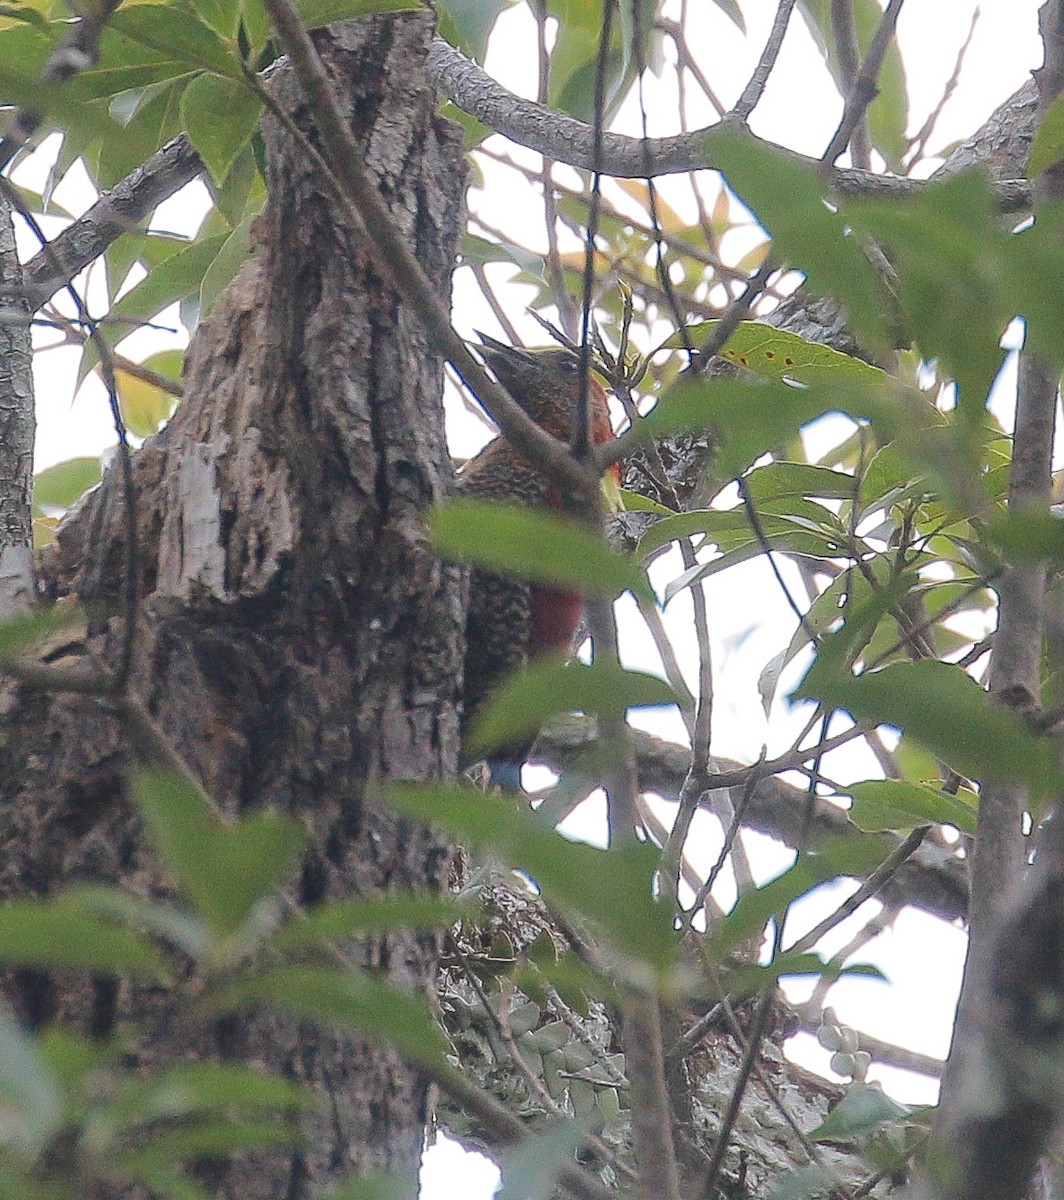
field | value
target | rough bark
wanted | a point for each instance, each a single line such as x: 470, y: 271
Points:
x: 297, y: 641
x: 16, y: 429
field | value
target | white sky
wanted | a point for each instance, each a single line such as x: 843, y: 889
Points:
x: 751, y: 621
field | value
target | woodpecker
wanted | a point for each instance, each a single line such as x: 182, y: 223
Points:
x: 511, y: 621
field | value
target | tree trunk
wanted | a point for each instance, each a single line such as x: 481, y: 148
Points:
x: 297, y: 641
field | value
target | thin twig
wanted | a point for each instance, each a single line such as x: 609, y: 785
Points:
x: 119, y: 211
x: 100, y: 344
x: 918, y: 144
x: 358, y: 197
x: 77, y: 52
x: 849, y: 55
x: 567, y: 314
x: 879, y: 878
x: 864, y: 86
x: 755, y: 89
x: 622, y: 446
x: 706, y: 1186
x: 686, y: 61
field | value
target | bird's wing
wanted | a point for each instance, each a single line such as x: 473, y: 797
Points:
x: 499, y: 622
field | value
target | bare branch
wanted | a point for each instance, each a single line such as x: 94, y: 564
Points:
x: 755, y: 89
x: 849, y: 55
x: 864, y: 88
x: 933, y: 879
x: 118, y: 211
x: 568, y: 140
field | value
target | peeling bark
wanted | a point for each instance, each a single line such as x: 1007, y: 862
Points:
x: 297, y: 641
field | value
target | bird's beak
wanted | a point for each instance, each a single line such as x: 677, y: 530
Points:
x: 498, y: 355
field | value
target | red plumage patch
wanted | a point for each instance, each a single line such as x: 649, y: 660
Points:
x: 555, y: 616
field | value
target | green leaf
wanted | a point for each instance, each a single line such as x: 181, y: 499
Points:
x: 778, y: 354
x: 124, y: 65
x: 155, y: 120
x: 952, y: 257
x: 730, y: 531
x: 21, y: 85
x: 178, y: 34
x: 787, y: 198
x: 316, y: 13
x: 212, y: 1137
x: 61, y: 486
x: 179, y: 275
x: 797, y: 537
x: 54, y: 933
x: 374, y: 1186
x: 224, y: 869
x: 750, y: 420
x: 888, y: 112
x: 199, y: 1087
x: 31, y: 1095
x: 1047, y: 148
x: 257, y: 29
x: 348, y: 998
x: 574, y: 57
x: 481, y: 251
x: 636, y: 502
x: 18, y: 12
x: 345, y: 919
x: 220, y: 115
x: 881, y: 804
x: 944, y: 709
x: 524, y: 703
x: 1034, y: 263
x: 243, y: 192
x: 145, y: 407
x: 222, y: 16
x: 1030, y: 537
x: 782, y: 479
x: 801, y: 1183
x: 755, y: 908
x: 181, y: 928
x: 864, y: 1108
x: 733, y: 12
x: 621, y: 903
x: 170, y: 363
x: 534, y: 545
x: 750, y: 979
x: 529, y: 1169
x: 467, y: 24
x: 227, y: 262
x: 22, y: 632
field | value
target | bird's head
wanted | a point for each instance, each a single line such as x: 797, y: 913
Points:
x: 545, y: 381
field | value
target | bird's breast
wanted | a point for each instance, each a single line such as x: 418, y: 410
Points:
x: 555, y: 616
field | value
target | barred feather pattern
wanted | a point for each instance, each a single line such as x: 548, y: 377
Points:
x: 511, y: 621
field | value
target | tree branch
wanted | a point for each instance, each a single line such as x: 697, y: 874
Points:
x: 755, y: 89
x: 118, y: 211
x: 933, y: 879
x: 863, y: 91
x: 567, y: 140
x: 1003, y: 1094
